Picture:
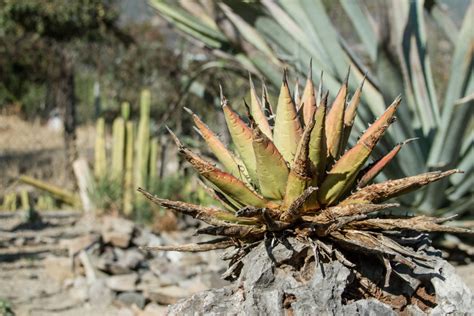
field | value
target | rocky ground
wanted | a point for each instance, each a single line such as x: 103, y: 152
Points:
x: 67, y: 265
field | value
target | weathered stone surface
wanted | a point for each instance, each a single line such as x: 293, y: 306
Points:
x: 125, y: 312
x: 142, y: 237
x: 59, y: 268
x: 131, y: 298
x: 131, y: 258
x: 452, y: 294
x: 117, y: 231
x: 75, y: 245
x: 166, y: 295
x: 79, y: 289
x: 269, y: 285
x: 153, y: 309
x: 224, y: 301
x: 120, y: 261
x: 123, y: 282
x: 99, y: 294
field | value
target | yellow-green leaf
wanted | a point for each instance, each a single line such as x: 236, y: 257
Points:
x: 272, y: 171
x: 335, y: 123
x: 287, y: 131
x: 295, y: 187
x: 350, y: 115
x: 344, y: 172
x: 226, y: 182
x: 242, y: 138
x: 231, y: 163
x: 317, y: 143
x: 308, y: 99
x: 300, y: 174
x: 257, y: 111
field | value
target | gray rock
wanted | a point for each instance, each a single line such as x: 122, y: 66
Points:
x: 452, y: 294
x: 99, y: 294
x: 268, y: 280
x: 131, y: 298
x: 79, y: 289
x: 142, y: 237
x: 369, y: 307
x: 117, y: 231
x: 153, y: 309
x: 166, y: 295
x: 131, y: 258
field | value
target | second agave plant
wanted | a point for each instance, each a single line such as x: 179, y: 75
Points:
x: 291, y: 175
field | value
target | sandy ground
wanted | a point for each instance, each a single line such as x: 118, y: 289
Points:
x: 30, y: 148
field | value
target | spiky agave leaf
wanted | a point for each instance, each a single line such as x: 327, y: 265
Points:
x: 300, y: 186
x: 272, y: 171
x: 376, y: 167
x: 308, y: 99
x: 242, y: 138
x: 223, y: 180
x: 287, y: 131
x: 230, y: 162
x: 343, y: 174
x: 335, y: 122
x: 257, y: 111
x: 300, y: 174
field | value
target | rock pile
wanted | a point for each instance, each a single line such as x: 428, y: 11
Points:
x: 283, y: 280
x: 106, y: 266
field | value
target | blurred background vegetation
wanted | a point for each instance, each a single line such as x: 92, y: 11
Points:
x: 78, y: 61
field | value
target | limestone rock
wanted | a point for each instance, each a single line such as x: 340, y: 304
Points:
x: 153, y: 309
x: 166, y: 295
x: 75, y: 245
x: 123, y: 282
x: 269, y: 284
x: 59, y: 268
x: 117, y: 231
x: 99, y: 294
x: 131, y: 298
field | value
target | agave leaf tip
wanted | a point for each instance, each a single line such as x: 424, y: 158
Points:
x: 223, y: 98
x: 188, y: 110
x: 363, y: 80
x: 310, y: 70
x: 409, y: 140
x: 398, y: 99
x: 285, y: 76
x: 174, y: 137
x: 252, y: 86
x: 346, y: 80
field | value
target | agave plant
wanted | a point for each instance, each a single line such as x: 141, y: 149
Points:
x: 291, y: 176
x: 263, y: 36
